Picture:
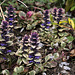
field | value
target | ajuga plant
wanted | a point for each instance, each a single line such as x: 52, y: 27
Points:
x: 34, y: 55
x: 45, y: 28
x: 58, y: 14
x: 22, y: 53
x: 56, y: 37
x: 10, y: 17
x: 28, y: 54
x: 60, y: 35
x: 46, y: 23
x: 12, y: 24
x: 4, y: 39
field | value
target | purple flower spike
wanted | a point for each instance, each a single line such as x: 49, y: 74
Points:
x: 25, y: 43
x: 10, y: 17
x: 46, y: 23
x: 57, y: 14
x: 3, y: 43
x: 4, y: 30
x: 33, y: 46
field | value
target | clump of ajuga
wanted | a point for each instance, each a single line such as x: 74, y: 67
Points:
x: 45, y: 28
x: 12, y: 23
x: 46, y: 23
x: 23, y: 51
x: 34, y: 55
x: 28, y: 52
x: 58, y: 14
x: 61, y: 36
x: 4, y: 39
x: 10, y: 17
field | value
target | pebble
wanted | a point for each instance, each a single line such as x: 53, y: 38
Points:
x: 41, y: 45
x: 66, y: 68
x: 64, y: 63
x: 44, y: 73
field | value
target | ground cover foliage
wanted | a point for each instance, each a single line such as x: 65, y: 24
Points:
x: 37, y: 37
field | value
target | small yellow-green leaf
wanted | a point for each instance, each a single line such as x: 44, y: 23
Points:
x: 32, y: 72
x: 47, y: 57
x: 62, y: 22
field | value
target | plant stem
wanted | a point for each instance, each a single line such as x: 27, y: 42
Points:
x: 38, y: 8
x: 2, y: 12
x: 2, y: 2
x: 23, y: 3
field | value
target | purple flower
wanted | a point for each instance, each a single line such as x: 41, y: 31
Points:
x: 10, y: 16
x: 8, y: 51
x: 33, y: 46
x: 57, y: 14
x: 3, y: 43
x: 31, y: 61
x: 46, y: 25
x: 4, y: 30
x: 25, y: 43
x: 4, y: 58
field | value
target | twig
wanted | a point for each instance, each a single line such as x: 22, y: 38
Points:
x: 23, y: 3
x: 2, y: 10
x: 38, y: 8
x: 2, y: 13
x: 65, y: 27
x: 2, y: 2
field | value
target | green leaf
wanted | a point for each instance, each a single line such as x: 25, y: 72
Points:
x: 32, y: 72
x: 22, y: 14
x: 51, y: 18
x: 52, y: 1
x: 5, y: 72
x: 62, y: 22
x: 51, y: 65
x: 55, y: 23
x: 15, y: 73
x: 19, y: 61
x: 16, y: 69
x: 40, y: 66
x: 63, y: 34
x: 73, y: 8
x: 70, y: 38
x: 19, y: 69
x: 47, y: 57
x: 24, y: 60
x: 69, y: 4
x: 29, y: 27
x: 63, y: 44
x: 73, y: 20
x: 56, y: 55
